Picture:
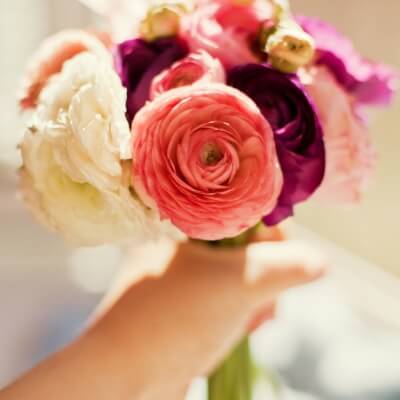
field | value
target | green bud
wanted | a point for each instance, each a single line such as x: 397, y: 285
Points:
x: 289, y: 47
x: 162, y: 21
x: 283, y: 65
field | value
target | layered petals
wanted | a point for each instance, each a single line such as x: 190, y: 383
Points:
x: 205, y: 158
x: 227, y: 30
x: 76, y: 174
x: 138, y: 62
x: 369, y: 83
x: 51, y: 56
x: 297, y: 130
x: 197, y: 69
x: 350, y: 155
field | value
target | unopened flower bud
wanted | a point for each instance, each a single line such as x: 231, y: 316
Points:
x: 289, y: 47
x: 162, y: 21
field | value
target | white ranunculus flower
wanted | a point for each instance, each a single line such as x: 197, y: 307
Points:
x: 82, y: 111
x: 48, y: 60
x: 76, y: 173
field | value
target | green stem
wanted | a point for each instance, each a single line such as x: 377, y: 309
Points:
x: 233, y: 380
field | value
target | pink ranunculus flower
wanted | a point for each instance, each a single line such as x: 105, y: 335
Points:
x: 206, y: 158
x: 226, y: 29
x: 198, y: 68
x: 350, y: 154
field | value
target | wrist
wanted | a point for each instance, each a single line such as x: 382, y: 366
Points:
x: 146, y: 341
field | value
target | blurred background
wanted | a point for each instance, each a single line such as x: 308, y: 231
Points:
x: 337, y: 339
x: 371, y: 229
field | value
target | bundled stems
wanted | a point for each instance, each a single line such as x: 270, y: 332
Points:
x: 234, y: 379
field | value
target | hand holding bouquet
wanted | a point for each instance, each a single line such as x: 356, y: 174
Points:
x: 197, y: 120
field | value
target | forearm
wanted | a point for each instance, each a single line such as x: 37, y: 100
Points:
x: 149, y: 345
x: 164, y: 331
x: 176, y: 338
x: 84, y: 370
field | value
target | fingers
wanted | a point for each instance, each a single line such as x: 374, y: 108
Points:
x: 276, y: 266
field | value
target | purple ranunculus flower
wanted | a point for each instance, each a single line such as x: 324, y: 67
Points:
x: 298, y: 133
x: 370, y: 83
x: 138, y: 62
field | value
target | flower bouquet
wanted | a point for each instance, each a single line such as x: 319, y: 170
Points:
x: 200, y: 120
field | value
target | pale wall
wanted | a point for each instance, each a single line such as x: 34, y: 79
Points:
x: 373, y: 228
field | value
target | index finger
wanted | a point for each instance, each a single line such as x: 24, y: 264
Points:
x: 277, y: 266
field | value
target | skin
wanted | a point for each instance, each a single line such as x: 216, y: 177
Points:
x: 153, y: 334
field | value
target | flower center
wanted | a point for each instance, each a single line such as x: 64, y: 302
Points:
x: 183, y: 80
x: 211, y: 154
x: 186, y: 75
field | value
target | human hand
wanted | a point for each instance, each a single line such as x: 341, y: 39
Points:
x: 154, y: 334
x: 200, y: 307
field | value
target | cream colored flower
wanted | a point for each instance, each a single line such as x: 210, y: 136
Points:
x: 74, y: 177
x: 82, y: 112
x: 50, y: 58
x: 286, y: 43
x: 289, y: 47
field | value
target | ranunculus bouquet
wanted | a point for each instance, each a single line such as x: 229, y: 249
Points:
x: 202, y: 120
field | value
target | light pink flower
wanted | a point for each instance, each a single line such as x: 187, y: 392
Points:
x: 51, y: 56
x: 350, y: 154
x: 206, y: 157
x: 226, y: 30
x: 198, y: 68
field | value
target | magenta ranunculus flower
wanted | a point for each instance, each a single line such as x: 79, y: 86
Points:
x: 206, y: 158
x: 350, y: 154
x: 197, y: 68
x: 370, y: 83
x: 298, y: 133
x: 138, y: 62
x: 227, y: 30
